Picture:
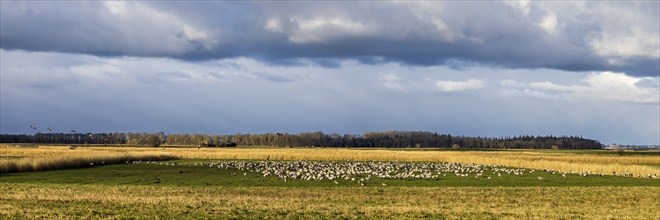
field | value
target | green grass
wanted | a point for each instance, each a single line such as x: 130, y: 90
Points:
x: 184, y: 175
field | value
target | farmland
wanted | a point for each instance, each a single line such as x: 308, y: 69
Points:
x: 244, y: 183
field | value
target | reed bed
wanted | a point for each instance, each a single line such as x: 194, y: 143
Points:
x: 54, y: 158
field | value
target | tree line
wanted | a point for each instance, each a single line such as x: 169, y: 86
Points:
x: 388, y: 139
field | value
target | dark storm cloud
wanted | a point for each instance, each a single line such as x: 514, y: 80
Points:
x: 557, y: 35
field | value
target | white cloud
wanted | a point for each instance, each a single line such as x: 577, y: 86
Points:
x: 318, y: 29
x: 546, y: 85
x: 453, y: 86
x: 512, y: 83
x: 633, y: 42
x: 520, y: 6
x: 391, y: 81
x: 273, y: 25
x: 616, y: 31
x: 116, y: 7
x: 549, y: 23
x: 603, y: 86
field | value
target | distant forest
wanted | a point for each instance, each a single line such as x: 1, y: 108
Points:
x: 389, y: 139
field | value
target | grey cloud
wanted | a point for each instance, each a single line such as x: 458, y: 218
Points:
x: 353, y: 99
x: 216, y: 75
x: 577, y: 36
x: 273, y: 77
x: 99, y: 28
x: 164, y: 78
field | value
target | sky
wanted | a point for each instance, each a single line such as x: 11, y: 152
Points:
x: 494, y: 68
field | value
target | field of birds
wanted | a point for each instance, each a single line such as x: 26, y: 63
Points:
x: 117, y: 182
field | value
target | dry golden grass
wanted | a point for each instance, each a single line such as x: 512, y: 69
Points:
x: 148, y: 202
x: 16, y: 159
x: 560, y: 161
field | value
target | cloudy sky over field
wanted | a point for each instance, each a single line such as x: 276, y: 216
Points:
x: 465, y: 68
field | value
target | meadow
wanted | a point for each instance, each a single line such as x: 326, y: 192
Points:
x: 231, y: 183
x: 637, y: 163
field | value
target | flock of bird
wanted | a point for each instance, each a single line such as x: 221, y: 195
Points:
x: 34, y: 127
x: 360, y: 172
x: 363, y: 171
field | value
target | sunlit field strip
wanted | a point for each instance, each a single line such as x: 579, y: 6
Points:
x: 638, y: 165
x: 102, y: 201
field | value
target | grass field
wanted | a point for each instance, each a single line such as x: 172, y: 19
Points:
x: 52, y: 201
x: 638, y: 163
x: 195, y: 187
